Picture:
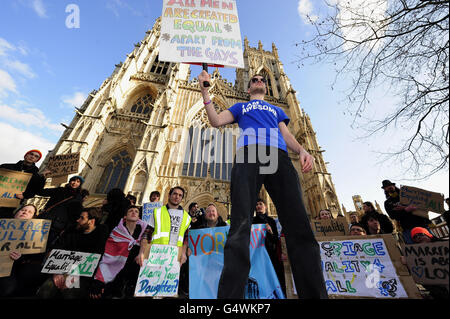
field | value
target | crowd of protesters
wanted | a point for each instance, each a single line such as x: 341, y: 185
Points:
x: 115, y: 230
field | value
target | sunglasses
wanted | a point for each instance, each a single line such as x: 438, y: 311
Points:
x: 254, y: 80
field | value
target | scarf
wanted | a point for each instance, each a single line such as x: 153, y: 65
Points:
x: 117, y: 248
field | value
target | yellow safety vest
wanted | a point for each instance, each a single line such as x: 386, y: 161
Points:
x: 161, y: 234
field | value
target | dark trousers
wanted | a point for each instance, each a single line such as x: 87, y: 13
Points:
x: 283, y: 187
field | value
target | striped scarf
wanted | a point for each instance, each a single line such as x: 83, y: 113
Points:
x: 117, y: 248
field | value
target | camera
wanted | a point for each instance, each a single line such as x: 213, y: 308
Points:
x: 199, y: 212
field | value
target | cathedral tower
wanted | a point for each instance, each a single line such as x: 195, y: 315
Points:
x: 146, y: 129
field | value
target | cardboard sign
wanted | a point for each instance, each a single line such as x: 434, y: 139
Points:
x: 148, y: 209
x: 6, y: 265
x: 159, y: 276
x: 360, y: 267
x: 29, y: 236
x: 12, y: 182
x: 205, y: 31
x: 330, y: 227
x: 428, y: 262
x: 424, y: 200
x: 71, y: 262
x: 64, y: 164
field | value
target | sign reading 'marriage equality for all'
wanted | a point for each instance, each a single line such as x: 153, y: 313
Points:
x: 27, y: 236
x: 201, y: 31
x: 360, y: 267
x: 71, y: 262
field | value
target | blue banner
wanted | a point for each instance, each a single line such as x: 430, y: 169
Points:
x: 206, y: 263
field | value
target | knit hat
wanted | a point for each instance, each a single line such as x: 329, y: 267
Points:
x: 36, y: 151
x: 420, y: 230
x: 77, y: 177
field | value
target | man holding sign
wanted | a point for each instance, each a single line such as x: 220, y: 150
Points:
x: 264, y: 130
x: 36, y: 183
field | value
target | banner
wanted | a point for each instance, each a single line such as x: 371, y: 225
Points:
x: 12, y: 182
x: 206, y: 263
x: 359, y: 268
x: 428, y: 262
x: 148, y: 209
x: 201, y: 31
x: 330, y: 227
x: 424, y: 200
x: 71, y: 263
x: 29, y: 236
x: 159, y: 276
x: 63, y: 164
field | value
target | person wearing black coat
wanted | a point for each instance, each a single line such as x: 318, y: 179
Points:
x: 36, y: 183
x: 63, y: 208
x: 402, y: 214
x: 114, y: 207
x: 272, y: 243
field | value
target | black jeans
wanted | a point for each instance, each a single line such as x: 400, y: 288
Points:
x: 284, y: 189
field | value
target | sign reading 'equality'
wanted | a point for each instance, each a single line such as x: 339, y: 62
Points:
x: 201, y: 31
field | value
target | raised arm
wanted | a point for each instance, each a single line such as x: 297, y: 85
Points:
x: 216, y: 120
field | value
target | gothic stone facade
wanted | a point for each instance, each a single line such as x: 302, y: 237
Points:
x: 144, y: 127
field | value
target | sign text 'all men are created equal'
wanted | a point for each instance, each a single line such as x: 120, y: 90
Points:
x: 201, y: 31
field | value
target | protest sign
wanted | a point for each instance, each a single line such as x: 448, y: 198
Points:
x: 63, y: 164
x: 330, y: 227
x: 6, y: 264
x: 428, y: 262
x: 71, y: 263
x: 12, y: 182
x: 206, y: 263
x: 148, y: 209
x: 362, y: 267
x: 159, y: 276
x: 203, y: 31
x: 422, y: 199
x: 29, y: 236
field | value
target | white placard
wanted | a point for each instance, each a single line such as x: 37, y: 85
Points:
x: 201, y: 31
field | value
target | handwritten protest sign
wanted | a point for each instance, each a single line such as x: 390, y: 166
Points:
x: 71, y: 262
x: 159, y: 276
x: 330, y: 227
x: 27, y: 236
x: 148, y: 209
x: 206, y: 263
x: 12, y: 182
x: 422, y: 199
x: 359, y: 267
x: 428, y: 262
x: 63, y: 164
x: 6, y: 264
x: 201, y: 31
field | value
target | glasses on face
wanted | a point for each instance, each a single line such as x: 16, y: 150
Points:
x: 255, y: 80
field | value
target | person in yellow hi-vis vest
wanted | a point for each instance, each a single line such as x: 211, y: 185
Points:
x: 167, y: 226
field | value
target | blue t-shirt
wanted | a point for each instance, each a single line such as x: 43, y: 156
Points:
x: 258, y: 121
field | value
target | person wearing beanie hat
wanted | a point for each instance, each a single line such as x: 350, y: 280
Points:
x: 36, y: 183
x: 421, y: 235
x: 63, y: 208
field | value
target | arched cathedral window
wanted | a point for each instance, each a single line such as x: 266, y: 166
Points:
x: 116, y: 173
x: 210, y: 149
x: 159, y: 67
x: 143, y: 105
